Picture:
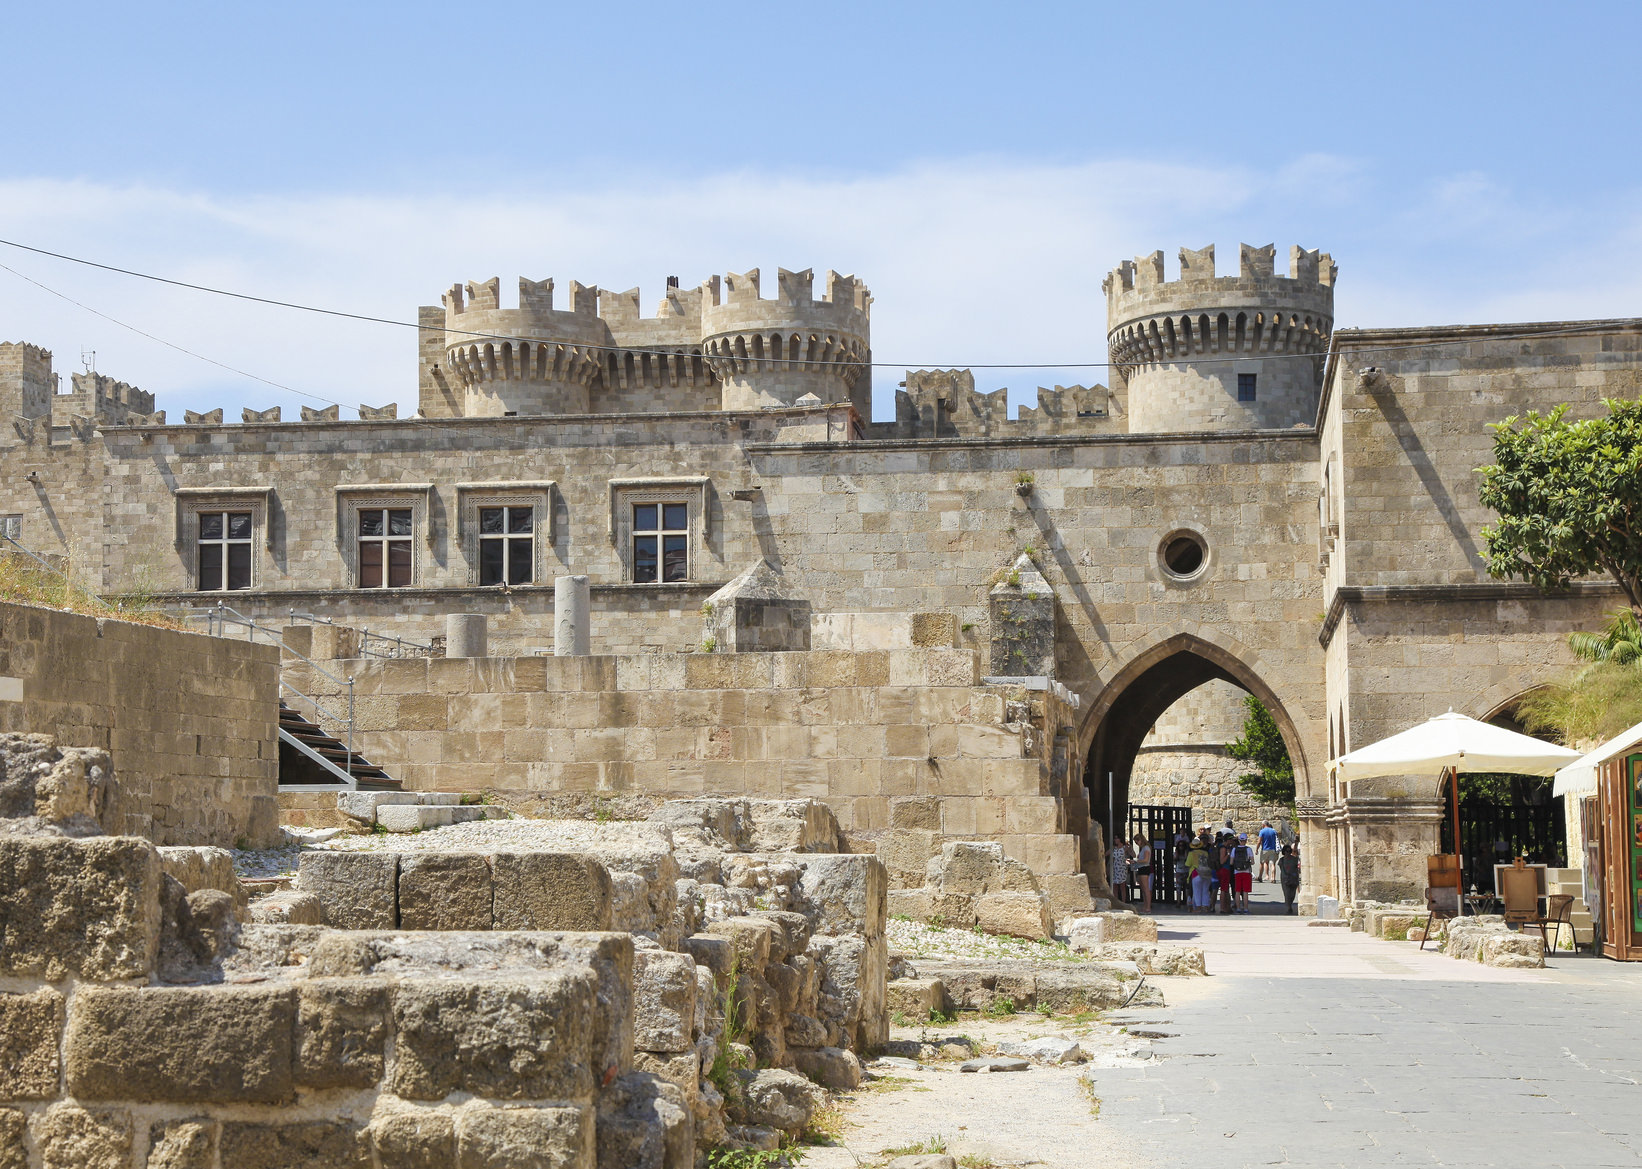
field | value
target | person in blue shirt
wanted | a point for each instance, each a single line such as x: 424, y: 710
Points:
x: 1268, y: 852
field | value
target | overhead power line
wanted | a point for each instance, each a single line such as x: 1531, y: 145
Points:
x: 905, y: 365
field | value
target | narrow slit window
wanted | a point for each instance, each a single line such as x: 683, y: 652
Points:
x: 507, y: 545
x: 385, y: 548
x: 1245, y: 387
x: 224, y: 551
x: 661, y: 542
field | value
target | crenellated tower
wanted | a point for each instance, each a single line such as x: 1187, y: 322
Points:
x: 534, y: 359
x: 1208, y: 352
x: 773, y: 352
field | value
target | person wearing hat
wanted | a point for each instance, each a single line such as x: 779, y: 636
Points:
x: 1242, y: 866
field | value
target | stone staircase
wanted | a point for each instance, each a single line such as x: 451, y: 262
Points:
x: 300, y: 741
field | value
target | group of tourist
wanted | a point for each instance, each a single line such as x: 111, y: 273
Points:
x: 1217, y: 867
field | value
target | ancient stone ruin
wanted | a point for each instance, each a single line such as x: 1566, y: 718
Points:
x: 636, y: 994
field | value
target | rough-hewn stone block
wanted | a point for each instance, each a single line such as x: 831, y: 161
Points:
x: 509, y: 1039
x: 444, y: 891
x: 415, y: 1139
x: 13, y: 1155
x: 341, y: 1025
x: 70, y: 1137
x: 88, y: 908
x: 1020, y: 915
x: 185, y: 1044
x: 29, y: 1028
x: 550, y: 891
x: 359, y: 889
x: 320, y: 1144
x: 182, y: 1144
x: 525, y: 1138
x: 664, y: 1001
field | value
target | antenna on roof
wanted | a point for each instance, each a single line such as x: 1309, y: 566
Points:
x: 88, y: 358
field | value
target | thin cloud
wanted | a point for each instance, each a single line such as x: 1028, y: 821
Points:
x: 970, y: 261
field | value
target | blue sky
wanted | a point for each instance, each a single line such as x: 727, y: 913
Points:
x: 980, y: 166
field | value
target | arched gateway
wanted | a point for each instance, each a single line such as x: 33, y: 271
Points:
x: 1147, y: 681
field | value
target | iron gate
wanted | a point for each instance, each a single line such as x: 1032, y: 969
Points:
x: 1494, y: 833
x: 1160, y: 824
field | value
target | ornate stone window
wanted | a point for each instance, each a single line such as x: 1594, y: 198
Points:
x: 222, y: 550
x: 506, y: 531
x: 219, y: 532
x: 659, y: 527
x: 383, y: 530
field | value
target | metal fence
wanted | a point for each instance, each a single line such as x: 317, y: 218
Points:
x: 1160, y: 823
x: 1492, y: 834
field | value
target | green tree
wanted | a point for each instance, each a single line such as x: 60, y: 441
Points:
x: 1569, y: 498
x: 1262, y: 745
x: 1620, y: 641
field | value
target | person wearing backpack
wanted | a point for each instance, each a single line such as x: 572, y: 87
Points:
x: 1242, y: 866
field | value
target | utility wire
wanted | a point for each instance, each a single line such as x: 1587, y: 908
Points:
x: 330, y: 312
x: 163, y: 341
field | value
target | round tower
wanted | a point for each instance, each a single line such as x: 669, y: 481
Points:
x: 1208, y: 352
x: 534, y: 359
x: 773, y: 352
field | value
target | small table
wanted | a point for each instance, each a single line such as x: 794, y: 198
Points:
x: 1481, y: 903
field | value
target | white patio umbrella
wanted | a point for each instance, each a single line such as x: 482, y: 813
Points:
x: 1446, y: 744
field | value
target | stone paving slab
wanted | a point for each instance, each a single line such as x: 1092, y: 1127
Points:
x: 1327, y: 1048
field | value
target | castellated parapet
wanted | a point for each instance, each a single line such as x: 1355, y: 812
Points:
x: 1187, y: 349
x: 773, y: 352
x: 712, y: 347
x: 26, y: 381
x: 100, y: 397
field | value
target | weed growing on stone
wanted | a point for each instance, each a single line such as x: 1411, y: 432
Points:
x: 722, y: 1158
x: 976, y: 1161
x: 930, y: 1144
x: 1088, y: 1087
x: 826, y: 1125
x: 1001, y: 1008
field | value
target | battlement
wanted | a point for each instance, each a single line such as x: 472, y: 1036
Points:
x: 943, y: 403
x: 1138, y: 287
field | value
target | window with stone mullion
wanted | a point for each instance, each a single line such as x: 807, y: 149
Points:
x: 224, y: 551
x: 661, y: 542
x: 385, y: 547
x: 507, y: 545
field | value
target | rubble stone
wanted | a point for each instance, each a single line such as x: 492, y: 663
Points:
x: 664, y: 1000
x: 51, y: 790
x: 1019, y: 915
x: 644, y: 1122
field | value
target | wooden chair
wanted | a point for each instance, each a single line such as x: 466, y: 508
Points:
x: 1519, y: 889
x: 1442, y: 903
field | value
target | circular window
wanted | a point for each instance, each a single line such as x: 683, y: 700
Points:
x: 1183, y: 554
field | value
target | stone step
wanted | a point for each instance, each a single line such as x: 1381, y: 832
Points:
x: 418, y: 817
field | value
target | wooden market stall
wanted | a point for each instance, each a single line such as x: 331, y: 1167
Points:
x: 1607, y: 784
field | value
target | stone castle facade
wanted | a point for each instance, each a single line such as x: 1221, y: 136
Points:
x: 1256, y: 498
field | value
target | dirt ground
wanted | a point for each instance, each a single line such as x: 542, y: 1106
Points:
x: 1045, y: 1116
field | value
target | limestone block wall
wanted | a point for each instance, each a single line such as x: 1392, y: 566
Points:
x: 189, y: 720
x: 888, y: 739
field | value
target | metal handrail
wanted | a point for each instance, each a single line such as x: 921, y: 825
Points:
x: 403, y: 646
x: 221, y: 616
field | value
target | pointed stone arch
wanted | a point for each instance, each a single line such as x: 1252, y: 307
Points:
x: 1149, y: 676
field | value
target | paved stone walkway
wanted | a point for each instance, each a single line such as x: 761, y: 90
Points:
x: 1320, y: 1047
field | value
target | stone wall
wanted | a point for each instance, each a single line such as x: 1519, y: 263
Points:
x: 189, y: 720
x: 888, y: 739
